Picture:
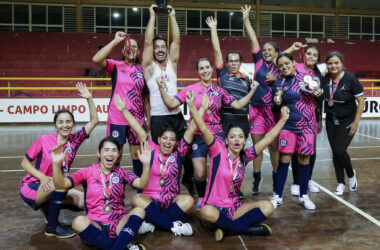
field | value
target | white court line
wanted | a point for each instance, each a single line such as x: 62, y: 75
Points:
x: 359, y: 211
x: 372, y: 137
x: 242, y: 242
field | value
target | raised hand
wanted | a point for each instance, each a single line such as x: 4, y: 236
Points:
x: 297, y: 46
x: 172, y: 11
x: 211, y: 22
x: 57, y: 153
x: 285, y: 113
x: 317, y: 91
x: 120, y: 104
x: 254, y: 85
x: 160, y: 81
x: 83, y: 90
x: 151, y: 10
x: 190, y: 97
x: 119, y: 36
x: 145, y: 153
x: 245, y: 11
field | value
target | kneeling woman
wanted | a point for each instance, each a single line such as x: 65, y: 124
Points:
x: 162, y: 201
x: 221, y: 206
x: 107, y: 224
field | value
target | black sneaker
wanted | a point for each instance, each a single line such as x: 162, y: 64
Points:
x: 257, y: 186
x: 260, y: 230
x: 59, y: 231
x: 135, y: 247
x: 219, y: 234
x: 240, y: 195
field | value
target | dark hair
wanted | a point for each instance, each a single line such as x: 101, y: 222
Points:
x: 274, y: 45
x: 284, y: 54
x: 201, y: 60
x: 61, y: 111
x: 242, y: 152
x: 111, y: 140
x: 334, y: 53
x: 157, y: 38
x: 137, y: 59
x: 234, y: 52
x: 170, y: 129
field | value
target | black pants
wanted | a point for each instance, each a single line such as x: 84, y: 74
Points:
x: 339, y: 140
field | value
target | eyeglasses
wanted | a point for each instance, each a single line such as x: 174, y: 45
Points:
x: 234, y: 61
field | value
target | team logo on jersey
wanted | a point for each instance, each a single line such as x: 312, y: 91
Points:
x: 123, y: 71
x: 69, y: 150
x: 285, y: 88
x: 216, y: 93
x: 115, y: 179
x: 251, y: 125
x: 231, y: 79
x: 343, y: 88
x: 171, y: 159
x: 139, y: 75
x: 195, y: 146
x: 283, y: 143
x: 115, y: 134
x: 244, y: 83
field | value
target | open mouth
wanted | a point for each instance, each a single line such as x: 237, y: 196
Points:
x: 110, y: 161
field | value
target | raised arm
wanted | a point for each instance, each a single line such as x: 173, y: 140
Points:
x: 57, y: 155
x: 269, y: 137
x: 251, y: 33
x: 147, y: 56
x: 295, y: 47
x: 132, y: 122
x: 94, y: 120
x: 145, y: 155
x: 147, y: 111
x: 176, y: 39
x: 170, y: 102
x: 207, y: 135
x: 189, y: 133
x: 213, y: 24
x: 239, y: 104
x: 100, y: 57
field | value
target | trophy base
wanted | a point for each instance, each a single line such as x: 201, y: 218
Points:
x: 162, y: 10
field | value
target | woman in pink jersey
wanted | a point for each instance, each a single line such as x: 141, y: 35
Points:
x: 162, y: 201
x: 37, y: 188
x: 107, y: 223
x: 217, y: 98
x: 127, y: 81
x: 221, y: 206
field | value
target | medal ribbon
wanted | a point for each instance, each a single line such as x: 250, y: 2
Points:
x: 65, y: 161
x: 162, y: 168
x: 283, y: 81
x: 209, y: 95
x: 233, y: 171
x: 333, y: 87
x: 106, y: 190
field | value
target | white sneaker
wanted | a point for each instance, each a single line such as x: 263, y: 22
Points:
x: 313, y: 188
x: 352, y: 182
x: 146, y: 227
x: 306, y: 202
x: 340, y: 189
x: 276, y: 200
x: 295, y: 189
x: 180, y: 228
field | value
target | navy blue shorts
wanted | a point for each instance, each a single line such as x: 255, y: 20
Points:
x: 122, y: 132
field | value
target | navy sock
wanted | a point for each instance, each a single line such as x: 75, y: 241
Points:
x: 200, y: 186
x: 174, y: 212
x: 282, y: 173
x: 257, y: 175
x: 295, y: 169
x: 55, y: 204
x: 93, y: 236
x: 303, y: 180
x: 156, y: 216
x: 137, y: 167
x: 128, y: 232
x: 312, y: 163
x: 226, y: 223
x: 274, y: 176
x: 252, y: 217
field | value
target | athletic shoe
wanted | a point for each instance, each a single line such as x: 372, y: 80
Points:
x: 146, y: 227
x: 306, y: 202
x: 59, y: 231
x: 180, y: 228
x: 260, y: 230
x: 340, y: 189
x: 219, y: 234
x: 295, y: 190
x: 352, y: 182
x: 257, y: 185
x: 276, y: 200
x: 198, y: 205
x: 135, y: 247
x: 240, y: 195
x: 312, y: 187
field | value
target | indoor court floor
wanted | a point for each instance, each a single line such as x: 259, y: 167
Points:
x: 348, y: 222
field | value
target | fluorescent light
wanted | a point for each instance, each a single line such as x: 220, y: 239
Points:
x: 135, y: 9
x: 115, y: 15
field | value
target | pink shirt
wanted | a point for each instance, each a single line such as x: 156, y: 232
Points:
x: 40, y: 151
x: 220, y: 175
x: 166, y: 193
x: 217, y: 98
x: 94, y: 194
x: 300, y: 67
x: 128, y: 82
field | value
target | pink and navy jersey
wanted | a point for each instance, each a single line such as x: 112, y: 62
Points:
x: 128, y: 82
x: 300, y: 67
x: 95, y: 199
x: 217, y: 98
x: 220, y: 176
x: 172, y: 175
x: 302, y: 118
x: 263, y: 93
x: 40, y: 152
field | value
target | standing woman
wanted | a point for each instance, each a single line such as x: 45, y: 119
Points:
x: 128, y: 82
x: 261, y: 117
x: 107, y: 224
x: 298, y: 134
x: 221, y: 206
x: 37, y: 188
x: 344, y: 104
x: 217, y: 97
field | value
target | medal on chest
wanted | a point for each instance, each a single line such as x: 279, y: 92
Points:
x: 233, y: 171
x: 107, y: 190
x: 164, y: 167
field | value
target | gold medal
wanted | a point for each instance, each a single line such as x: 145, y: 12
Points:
x: 231, y: 188
x: 107, y: 208
x: 162, y: 182
x: 208, y: 112
x: 330, y: 103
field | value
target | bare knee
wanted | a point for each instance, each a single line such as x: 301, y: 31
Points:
x: 185, y: 202
x: 266, y: 208
x: 141, y: 200
x: 138, y: 211
x: 80, y: 223
x: 199, y: 168
x: 209, y: 213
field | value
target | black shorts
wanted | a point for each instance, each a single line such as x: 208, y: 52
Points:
x: 159, y: 124
x: 240, y: 121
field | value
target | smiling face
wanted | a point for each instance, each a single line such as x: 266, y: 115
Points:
x: 311, y: 57
x: 160, y: 50
x: 286, y: 66
x: 334, y: 65
x: 130, y: 56
x: 108, y: 155
x: 235, y: 140
x: 167, y: 142
x: 205, y: 71
x: 269, y: 53
x: 233, y: 63
x: 64, y: 124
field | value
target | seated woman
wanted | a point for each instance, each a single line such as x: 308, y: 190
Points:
x: 107, y: 224
x: 37, y: 188
x: 221, y: 206
x: 162, y: 201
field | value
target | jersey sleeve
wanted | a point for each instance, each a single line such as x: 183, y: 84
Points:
x: 79, y: 176
x: 215, y: 148
x: 250, y: 154
x: 110, y: 65
x: 221, y: 70
x: 128, y: 176
x: 181, y: 96
x: 227, y: 97
x: 257, y: 55
x: 183, y: 147
x: 35, y: 149
x: 357, y: 88
x: 78, y: 137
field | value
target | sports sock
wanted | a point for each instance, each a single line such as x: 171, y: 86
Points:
x: 295, y: 169
x: 153, y: 214
x: 200, y: 186
x: 252, y: 217
x: 282, y: 173
x: 257, y: 176
x: 303, y: 178
x: 226, y: 223
x: 312, y: 163
x: 174, y: 212
x: 128, y: 232
x: 93, y: 236
x: 55, y: 204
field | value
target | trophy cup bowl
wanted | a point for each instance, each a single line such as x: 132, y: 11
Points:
x: 162, y: 8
